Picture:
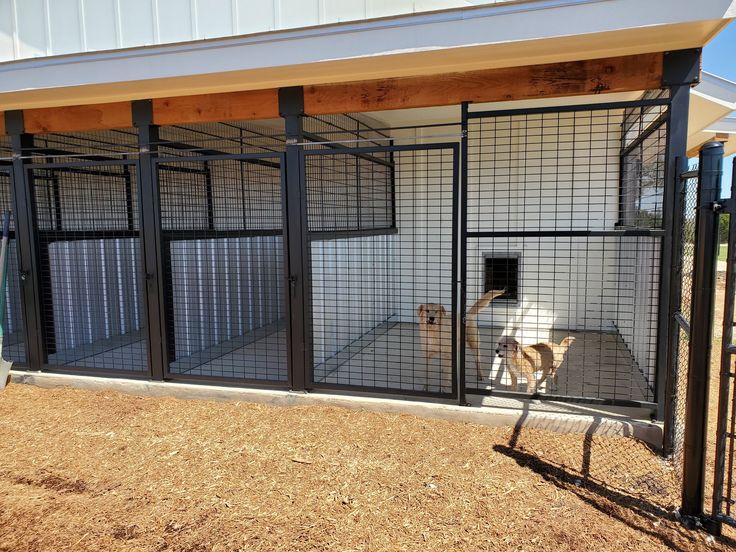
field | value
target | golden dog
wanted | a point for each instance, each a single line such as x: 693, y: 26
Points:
x: 545, y: 357
x: 435, y: 334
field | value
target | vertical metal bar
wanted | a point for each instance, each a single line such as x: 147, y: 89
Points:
x: 460, y: 228
x: 706, y: 254
x: 458, y: 348
x: 726, y: 376
x: 291, y: 108
x: 670, y: 291
x: 129, y: 197
x: 210, y: 197
x: 150, y: 228
x: 670, y: 286
x: 26, y: 232
x: 57, y: 200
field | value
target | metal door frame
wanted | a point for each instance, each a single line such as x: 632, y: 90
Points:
x: 457, y: 319
x: 28, y: 169
x: 162, y: 244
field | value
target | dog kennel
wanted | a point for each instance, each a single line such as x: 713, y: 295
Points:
x: 191, y: 247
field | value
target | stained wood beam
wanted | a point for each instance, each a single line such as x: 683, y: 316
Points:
x: 78, y: 118
x: 619, y: 74
x: 2, y: 123
x: 228, y: 106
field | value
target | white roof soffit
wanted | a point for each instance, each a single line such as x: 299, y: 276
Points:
x: 710, y: 101
x: 501, y: 35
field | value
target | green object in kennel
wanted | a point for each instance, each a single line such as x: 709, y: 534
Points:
x: 4, y: 364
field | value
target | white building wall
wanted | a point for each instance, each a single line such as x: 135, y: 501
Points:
x: 37, y: 28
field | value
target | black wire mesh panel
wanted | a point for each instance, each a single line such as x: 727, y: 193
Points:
x: 381, y: 234
x: 13, y: 345
x: 686, y: 260
x: 223, y: 246
x: 86, y: 215
x: 575, y: 241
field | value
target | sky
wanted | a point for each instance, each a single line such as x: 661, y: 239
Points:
x: 719, y: 57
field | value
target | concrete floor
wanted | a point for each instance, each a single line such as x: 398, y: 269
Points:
x: 259, y: 355
x: 598, y: 365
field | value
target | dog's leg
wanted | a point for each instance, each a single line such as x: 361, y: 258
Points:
x: 542, y: 379
x: 477, y: 364
x: 531, y: 383
x: 514, y: 381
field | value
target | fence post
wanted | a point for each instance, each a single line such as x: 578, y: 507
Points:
x: 680, y: 72
x: 28, y: 248
x: 150, y: 224
x: 704, y: 279
x: 291, y: 108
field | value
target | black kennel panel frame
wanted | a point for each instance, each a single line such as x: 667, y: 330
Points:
x: 225, y: 267
x: 575, y: 196
x: 382, y: 239
x: 13, y: 339
x: 86, y: 223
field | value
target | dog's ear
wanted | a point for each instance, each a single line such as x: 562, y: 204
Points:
x: 443, y: 312
x: 420, y: 309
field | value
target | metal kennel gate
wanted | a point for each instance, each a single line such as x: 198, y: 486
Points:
x: 225, y: 267
x: 88, y: 234
x: 13, y: 342
x: 564, y: 207
x: 724, y: 491
x: 382, y: 241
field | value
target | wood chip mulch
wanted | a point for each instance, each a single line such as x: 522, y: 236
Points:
x: 83, y: 470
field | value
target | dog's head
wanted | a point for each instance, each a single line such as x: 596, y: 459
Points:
x: 431, y: 313
x: 507, y: 346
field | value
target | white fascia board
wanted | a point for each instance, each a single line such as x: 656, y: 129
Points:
x: 727, y: 125
x: 527, y: 27
x: 711, y: 101
x: 717, y: 87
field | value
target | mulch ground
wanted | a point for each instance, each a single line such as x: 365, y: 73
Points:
x: 82, y: 470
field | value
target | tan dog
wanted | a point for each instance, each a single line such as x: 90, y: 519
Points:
x: 435, y: 332
x: 545, y: 357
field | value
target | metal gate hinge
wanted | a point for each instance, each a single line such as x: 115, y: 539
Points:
x: 723, y: 205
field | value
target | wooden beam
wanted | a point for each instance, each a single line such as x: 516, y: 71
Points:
x: 2, y: 123
x: 78, y: 118
x: 228, y: 106
x: 620, y: 74
x: 717, y: 137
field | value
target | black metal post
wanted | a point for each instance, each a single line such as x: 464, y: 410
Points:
x: 680, y: 72
x: 28, y: 250
x: 706, y: 254
x: 291, y: 108
x: 460, y: 273
x: 150, y: 228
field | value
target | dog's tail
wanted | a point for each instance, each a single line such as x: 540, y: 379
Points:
x: 484, y: 301
x: 565, y: 343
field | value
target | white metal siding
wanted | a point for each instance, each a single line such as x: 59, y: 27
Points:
x: 341, y: 270
x: 34, y: 28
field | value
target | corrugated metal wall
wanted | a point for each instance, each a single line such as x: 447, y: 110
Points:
x: 230, y: 288
x: 35, y: 28
x: 95, y: 289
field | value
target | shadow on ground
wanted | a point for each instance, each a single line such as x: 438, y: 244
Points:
x: 640, y: 493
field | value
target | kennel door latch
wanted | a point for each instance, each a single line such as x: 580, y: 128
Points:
x: 292, y: 282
